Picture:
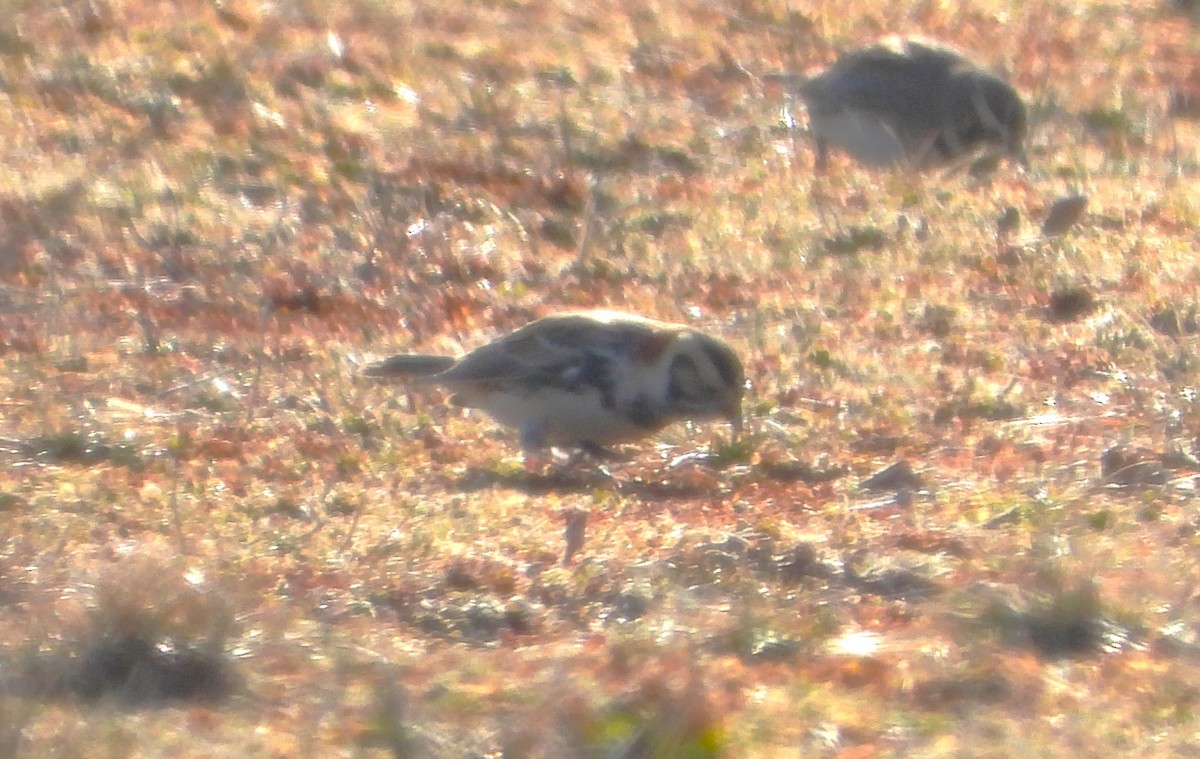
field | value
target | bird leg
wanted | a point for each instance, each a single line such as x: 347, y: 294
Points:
x: 593, y: 457
x: 562, y: 465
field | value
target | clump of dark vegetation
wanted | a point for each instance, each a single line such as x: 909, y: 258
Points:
x: 1070, y: 303
x: 148, y: 637
x: 77, y: 447
x: 141, y: 672
x: 1063, y: 214
x: 970, y: 687
x: 1176, y: 321
x: 856, y: 239
x: 1066, y: 619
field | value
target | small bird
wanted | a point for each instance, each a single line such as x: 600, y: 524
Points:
x: 910, y: 100
x: 588, y: 379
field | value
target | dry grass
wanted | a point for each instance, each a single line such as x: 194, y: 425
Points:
x: 218, y: 540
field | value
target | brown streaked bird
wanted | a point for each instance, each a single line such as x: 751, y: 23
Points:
x: 588, y: 379
x: 908, y: 100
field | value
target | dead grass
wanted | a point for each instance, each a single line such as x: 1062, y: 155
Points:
x: 215, y: 213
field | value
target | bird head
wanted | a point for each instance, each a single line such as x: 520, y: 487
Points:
x: 706, y: 380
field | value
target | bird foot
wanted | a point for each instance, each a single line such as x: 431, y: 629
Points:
x: 556, y: 464
x: 600, y: 453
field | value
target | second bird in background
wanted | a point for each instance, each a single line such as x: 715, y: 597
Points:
x: 910, y: 101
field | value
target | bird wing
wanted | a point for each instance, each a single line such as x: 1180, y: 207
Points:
x: 894, y: 80
x: 564, y: 350
x: 881, y: 84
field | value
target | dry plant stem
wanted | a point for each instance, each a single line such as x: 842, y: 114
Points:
x: 173, y: 500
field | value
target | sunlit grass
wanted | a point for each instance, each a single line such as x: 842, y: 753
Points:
x: 216, y: 214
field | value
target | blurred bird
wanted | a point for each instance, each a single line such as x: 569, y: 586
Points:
x: 588, y: 379
x: 909, y: 100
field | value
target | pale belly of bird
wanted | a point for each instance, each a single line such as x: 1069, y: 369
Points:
x: 562, y: 416
x: 868, y: 138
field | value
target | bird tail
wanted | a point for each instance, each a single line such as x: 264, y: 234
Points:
x: 410, y: 365
x: 794, y: 84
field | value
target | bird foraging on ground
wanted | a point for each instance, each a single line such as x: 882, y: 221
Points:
x: 908, y: 100
x: 588, y: 379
